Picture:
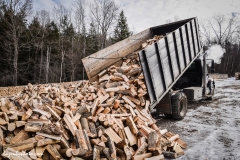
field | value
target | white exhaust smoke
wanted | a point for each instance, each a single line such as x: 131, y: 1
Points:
x: 215, y: 52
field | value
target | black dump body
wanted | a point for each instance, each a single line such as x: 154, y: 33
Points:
x: 165, y: 61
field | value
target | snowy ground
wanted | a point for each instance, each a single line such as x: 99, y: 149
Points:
x: 211, y: 128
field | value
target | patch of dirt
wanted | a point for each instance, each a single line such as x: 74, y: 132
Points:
x: 226, y: 141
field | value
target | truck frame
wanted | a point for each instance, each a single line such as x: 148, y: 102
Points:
x: 174, y: 67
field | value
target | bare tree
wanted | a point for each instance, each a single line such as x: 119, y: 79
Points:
x: 61, y: 70
x: 80, y: 16
x: 220, y: 29
x: 59, y: 12
x: 206, y: 31
x: 44, y: 19
x: 12, y: 13
x: 61, y: 18
x: 104, y: 12
x: 47, y: 63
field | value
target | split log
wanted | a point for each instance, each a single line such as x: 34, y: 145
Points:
x: 99, y: 110
x: 106, y: 110
x: 134, y: 100
x: 39, y: 151
x: 32, y: 154
x: 178, y: 149
x: 39, y: 121
x: 152, y: 141
x: 32, y: 127
x: 124, y: 77
x: 20, y: 143
x: 66, y: 153
x: 173, y: 138
x: 116, y: 104
x: 52, y: 112
x: 96, y: 153
x: 131, y: 137
x: 142, y: 149
x: 104, y: 98
x: 42, y: 112
x: 64, y: 143
x: 128, y: 152
x: 181, y: 143
x: 84, y: 124
x: 169, y: 154
x: 22, y: 135
x: 76, y: 117
x: 142, y: 156
x: 121, y: 144
x: 20, y: 123
x: 55, y: 154
x: 94, y: 108
x: 106, y: 151
x: 72, y: 127
x: 83, y: 111
x: 55, y: 137
x: 27, y: 115
x: 93, y: 130
x: 46, y: 141
x: 163, y: 131
x: 112, y: 84
x: 159, y: 157
x: 111, y: 147
x: 79, y: 152
x: 130, y: 123
x: 81, y: 140
x: 23, y: 147
x: 95, y: 141
x: 87, y: 140
x: 102, y: 73
x: 109, y: 131
x: 2, y: 121
x: 112, y: 89
x: 128, y: 101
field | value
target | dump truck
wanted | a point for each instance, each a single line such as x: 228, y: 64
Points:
x: 174, y: 67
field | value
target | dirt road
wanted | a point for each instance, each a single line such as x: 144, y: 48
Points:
x: 211, y: 128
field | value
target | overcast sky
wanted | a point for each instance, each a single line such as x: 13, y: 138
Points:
x: 142, y: 14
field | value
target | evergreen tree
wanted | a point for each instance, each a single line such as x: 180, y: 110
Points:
x: 92, y: 39
x: 121, y: 30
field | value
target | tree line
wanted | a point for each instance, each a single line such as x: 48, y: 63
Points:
x: 47, y: 47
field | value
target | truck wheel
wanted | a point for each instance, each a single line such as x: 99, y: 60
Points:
x: 179, y: 105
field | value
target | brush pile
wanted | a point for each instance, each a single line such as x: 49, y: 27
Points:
x: 107, y: 119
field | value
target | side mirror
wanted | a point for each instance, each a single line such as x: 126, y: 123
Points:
x: 213, y: 67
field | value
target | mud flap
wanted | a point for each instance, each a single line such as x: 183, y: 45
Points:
x: 164, y: 106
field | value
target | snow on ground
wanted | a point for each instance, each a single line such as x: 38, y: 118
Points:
x: 211, y: 128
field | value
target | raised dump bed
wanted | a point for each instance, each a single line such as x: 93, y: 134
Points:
x: 163, y: 62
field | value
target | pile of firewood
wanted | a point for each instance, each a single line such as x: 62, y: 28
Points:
x: 151, y: 41
x: 108, y: 119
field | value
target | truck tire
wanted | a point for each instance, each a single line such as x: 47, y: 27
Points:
x: 179, y: 105
x: 168, y: 115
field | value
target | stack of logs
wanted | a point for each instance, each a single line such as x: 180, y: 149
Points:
x: 108, y: 119
x: 237, y: 75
